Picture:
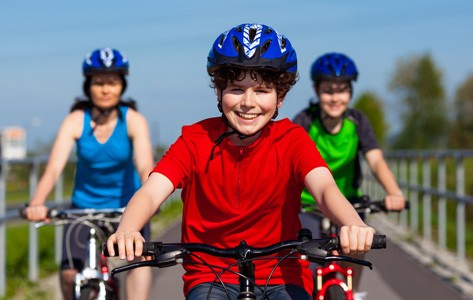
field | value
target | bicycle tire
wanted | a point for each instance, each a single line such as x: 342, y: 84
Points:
x: 335, y: 292
x: 91, y: 291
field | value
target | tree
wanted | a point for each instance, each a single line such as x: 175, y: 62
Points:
x: 418, y: 83
x: 461, y: 136
x: 371, y: 105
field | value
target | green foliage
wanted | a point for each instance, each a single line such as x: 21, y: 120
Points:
x: 17, y: 258
x: 371, y: 105
x: 418, y: 83
x: 461, y: 136
x: 159, y: 151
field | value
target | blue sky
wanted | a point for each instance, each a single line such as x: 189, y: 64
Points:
x: 43, y: 44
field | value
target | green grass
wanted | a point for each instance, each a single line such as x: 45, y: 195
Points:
x: 18, y: 287
x: 17, y: 258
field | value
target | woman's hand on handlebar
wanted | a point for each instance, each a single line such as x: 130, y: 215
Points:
x: 356, y: 239
x: 36, y: 213
x: 130, y: 244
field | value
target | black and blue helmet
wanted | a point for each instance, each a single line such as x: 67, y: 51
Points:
x: 105, y: 60
x: 334, y: 66
x: 252, y: 46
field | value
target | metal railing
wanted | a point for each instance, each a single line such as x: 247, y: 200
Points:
x: 428, y: 178
x: 10, y: 215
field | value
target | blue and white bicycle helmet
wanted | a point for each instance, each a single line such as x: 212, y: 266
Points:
x: 252, y: 46
x: 334, y: 66
x: 105, y: 60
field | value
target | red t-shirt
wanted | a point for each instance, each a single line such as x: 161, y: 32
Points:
x: 247, y: 193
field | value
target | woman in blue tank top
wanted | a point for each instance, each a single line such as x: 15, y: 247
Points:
x: 114, y: 156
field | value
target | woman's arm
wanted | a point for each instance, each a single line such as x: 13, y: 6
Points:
x: 69, y: 131
x: 138, y: 131
x: 139, y: 210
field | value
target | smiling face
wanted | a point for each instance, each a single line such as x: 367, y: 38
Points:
x: 105, y: 90
x: 334, y: 97
x: 249, y: 104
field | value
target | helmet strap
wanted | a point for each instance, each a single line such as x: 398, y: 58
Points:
x: 103, y: 112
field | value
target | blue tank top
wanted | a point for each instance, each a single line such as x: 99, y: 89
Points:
x: 105, y: 174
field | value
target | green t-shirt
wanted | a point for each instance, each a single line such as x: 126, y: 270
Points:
x: 340, y: 153
x: 341, y: 150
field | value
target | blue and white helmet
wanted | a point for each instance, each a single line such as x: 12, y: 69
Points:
x: 252, y: 46
x: 334, y: 66
x: 105, y: 60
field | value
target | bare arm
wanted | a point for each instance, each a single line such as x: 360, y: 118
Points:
x: 394, y: 199
x: 139, y: 210
x: 138, y: 131
x: 69, y: 131
x: 355, y: 236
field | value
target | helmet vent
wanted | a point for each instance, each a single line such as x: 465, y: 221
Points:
x: 222, y: 38
x: 236, y: 45
x: 283, y: 43
x: 265, y: 46
x: 344, y: 68
x: 252, y: 34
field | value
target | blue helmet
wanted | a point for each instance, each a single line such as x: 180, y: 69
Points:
x: 333, y: 66
x: 252, y: 46
x: 105, y: 60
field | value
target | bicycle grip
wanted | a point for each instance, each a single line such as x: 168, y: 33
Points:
x: 149, y: 248
x: 22, y: 211
x: 379, y: 241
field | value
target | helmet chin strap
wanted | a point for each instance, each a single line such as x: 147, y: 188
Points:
x: 103, y: 112
x: 233, y: 131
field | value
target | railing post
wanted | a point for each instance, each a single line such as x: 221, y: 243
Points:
x: 413, y: 194
x: 426, y: 199
x: 442, y: 205
x: 33, y: 234
x: 403, y: 177
x: 3, y: 255
x: 59, y: 199
x: 460, y: 211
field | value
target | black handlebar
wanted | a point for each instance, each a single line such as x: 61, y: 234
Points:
x: 67, y: 213
x: 315, y: 250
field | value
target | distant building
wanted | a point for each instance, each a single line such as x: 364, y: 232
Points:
x: 12, y: 143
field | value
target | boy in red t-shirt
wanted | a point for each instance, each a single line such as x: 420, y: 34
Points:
x: 241, y: 174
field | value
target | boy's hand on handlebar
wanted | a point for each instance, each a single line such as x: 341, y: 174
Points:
x: 356, y: 239
x: 394, y: 202
x: 130, y: 244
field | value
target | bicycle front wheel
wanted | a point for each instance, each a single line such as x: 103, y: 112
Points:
x: 98, y: 290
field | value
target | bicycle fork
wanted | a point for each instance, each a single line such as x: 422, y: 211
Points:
x: 91, y: 270
x: 327, y: 277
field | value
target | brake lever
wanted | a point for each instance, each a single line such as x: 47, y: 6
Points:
x: 148, y: 263
x: 313, y: 251
x: 350, y: 260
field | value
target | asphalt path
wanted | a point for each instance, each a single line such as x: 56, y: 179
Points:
x: 395, y: 276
